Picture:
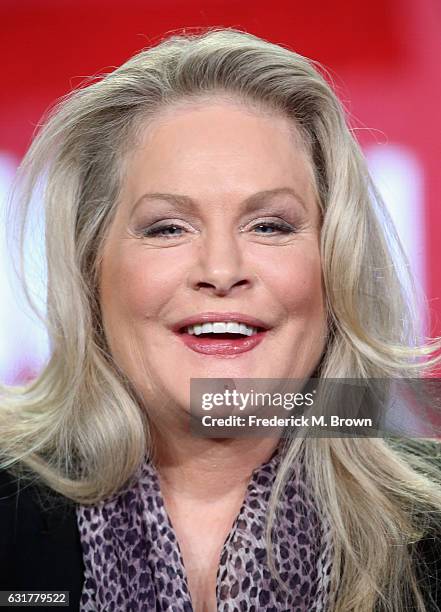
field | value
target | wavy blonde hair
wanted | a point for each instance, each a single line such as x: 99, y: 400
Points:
x: 79, y: 425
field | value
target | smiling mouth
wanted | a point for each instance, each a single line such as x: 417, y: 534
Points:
x: 226, y: 339
x: 221, y: 330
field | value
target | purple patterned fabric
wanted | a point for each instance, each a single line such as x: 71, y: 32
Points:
x: 133, y: 561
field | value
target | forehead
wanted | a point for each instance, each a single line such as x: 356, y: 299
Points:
x: 224, y: 104
x: 218, y: 146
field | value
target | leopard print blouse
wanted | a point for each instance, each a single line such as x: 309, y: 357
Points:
x: 133, y: 560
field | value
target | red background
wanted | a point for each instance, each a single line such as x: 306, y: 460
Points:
x: 383, y: 55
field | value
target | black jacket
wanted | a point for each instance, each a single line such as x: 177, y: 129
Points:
x: 40, y: 546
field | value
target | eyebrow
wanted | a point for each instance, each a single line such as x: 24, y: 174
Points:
x: 251, y: 203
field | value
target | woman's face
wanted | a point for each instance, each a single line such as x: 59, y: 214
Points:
x: 218, y: 221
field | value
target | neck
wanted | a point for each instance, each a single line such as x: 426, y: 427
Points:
x: 208, y: 469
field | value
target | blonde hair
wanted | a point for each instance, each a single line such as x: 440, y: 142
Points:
x: 79, y: 425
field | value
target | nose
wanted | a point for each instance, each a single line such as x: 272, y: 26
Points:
x: 219, y: 268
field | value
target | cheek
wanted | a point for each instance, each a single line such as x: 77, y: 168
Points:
x: 294, y: 277
x: 135, y: 284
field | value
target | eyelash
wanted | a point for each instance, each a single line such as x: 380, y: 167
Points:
x: 280, y: 227
x: 155, y: 231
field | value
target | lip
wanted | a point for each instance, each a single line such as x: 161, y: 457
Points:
x: 221, y: 347
x: 209, y: 317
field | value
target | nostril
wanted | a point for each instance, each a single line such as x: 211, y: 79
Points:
x: 221, y: 288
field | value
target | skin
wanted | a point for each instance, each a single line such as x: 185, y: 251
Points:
x: 218, y: 153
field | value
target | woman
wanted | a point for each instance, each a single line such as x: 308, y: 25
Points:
x: 211, y: 179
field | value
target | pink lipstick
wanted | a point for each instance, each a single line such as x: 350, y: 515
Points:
x: 227, y: 335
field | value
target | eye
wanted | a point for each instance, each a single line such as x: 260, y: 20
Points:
x: 269, y: 228
x: 165, y: 230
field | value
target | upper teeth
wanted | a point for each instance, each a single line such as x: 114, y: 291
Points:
x: 221, y: 327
